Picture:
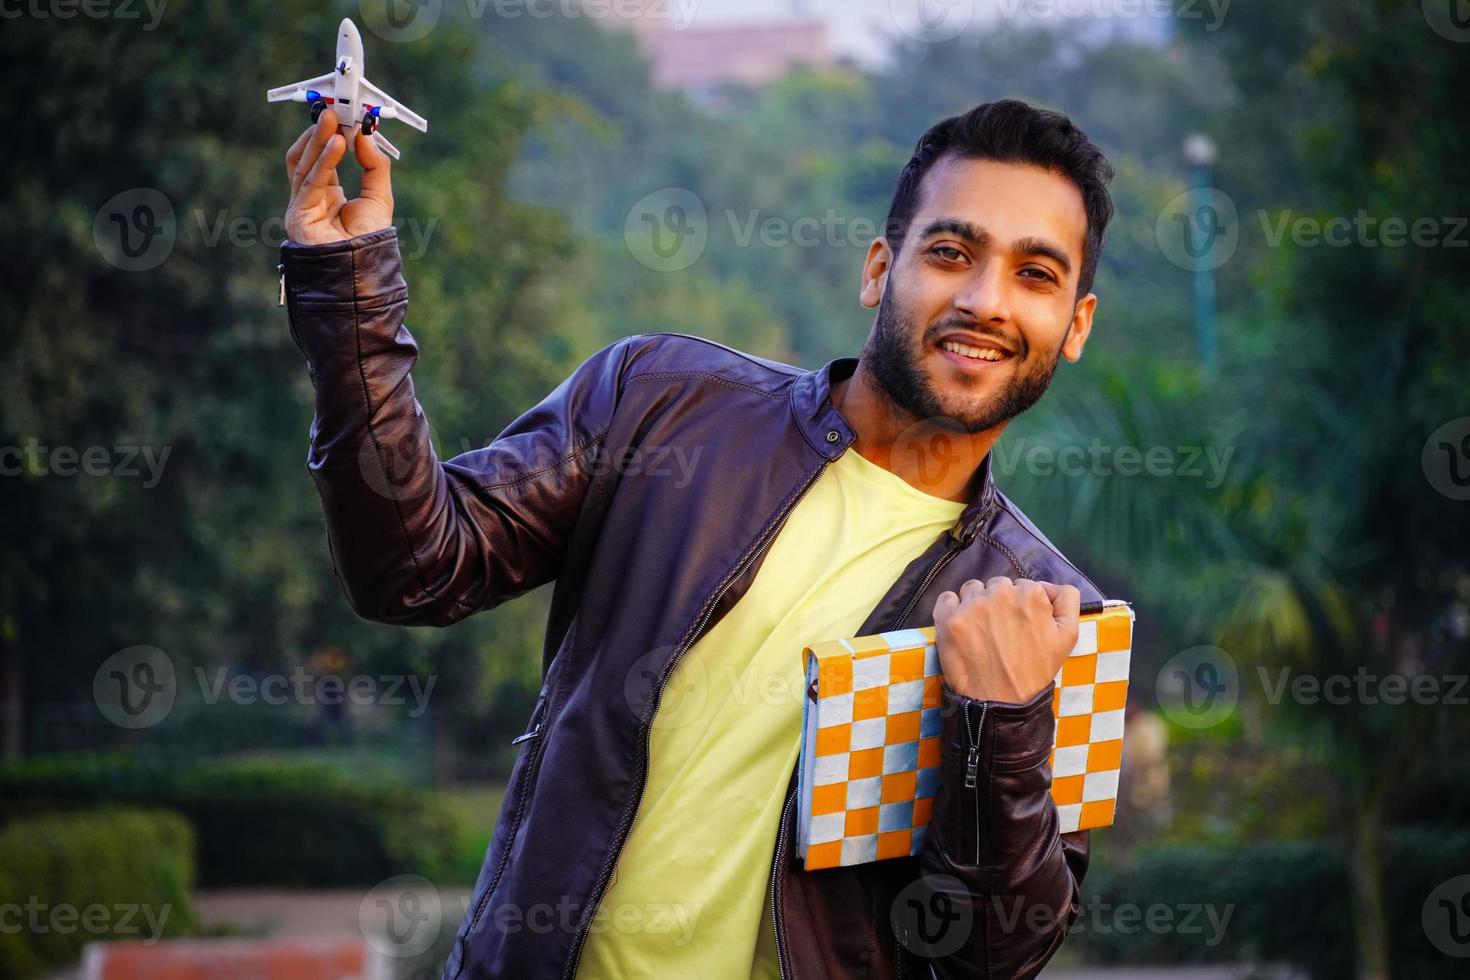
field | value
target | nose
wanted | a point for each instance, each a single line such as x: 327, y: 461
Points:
x: 983, y: 297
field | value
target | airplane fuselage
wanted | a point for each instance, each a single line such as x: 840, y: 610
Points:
x: 349, y: 68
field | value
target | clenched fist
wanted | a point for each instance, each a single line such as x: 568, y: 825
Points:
x: 1005, y: 640
x: 319, y: 211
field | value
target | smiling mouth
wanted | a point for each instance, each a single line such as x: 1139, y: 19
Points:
x: 968, y: 355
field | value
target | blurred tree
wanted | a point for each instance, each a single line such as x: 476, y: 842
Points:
x: 221, y: 560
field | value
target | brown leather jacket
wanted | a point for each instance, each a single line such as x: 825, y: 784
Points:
x: 646, y: 558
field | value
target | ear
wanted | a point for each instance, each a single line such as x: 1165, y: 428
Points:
x: 875, y: 272
x: 1081, y: 327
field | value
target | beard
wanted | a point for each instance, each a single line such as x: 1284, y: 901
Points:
x: 893, y: 360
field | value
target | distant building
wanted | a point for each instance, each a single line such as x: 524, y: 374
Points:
x: 699, y: 58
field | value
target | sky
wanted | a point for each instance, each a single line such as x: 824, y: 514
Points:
x: 859, y: 27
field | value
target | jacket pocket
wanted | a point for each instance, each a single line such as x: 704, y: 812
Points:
x: 523, y: 778
x: 538, y: 714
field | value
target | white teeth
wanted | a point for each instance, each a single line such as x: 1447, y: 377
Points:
x: 979, y: 353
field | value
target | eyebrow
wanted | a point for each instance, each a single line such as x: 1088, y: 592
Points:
x: 978, y: 236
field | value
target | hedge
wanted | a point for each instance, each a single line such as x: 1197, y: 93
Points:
x: 68, y: 879
x: 258, y: 822
x: 1289, y: 903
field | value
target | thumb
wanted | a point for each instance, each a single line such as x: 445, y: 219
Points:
x: 376, y: 167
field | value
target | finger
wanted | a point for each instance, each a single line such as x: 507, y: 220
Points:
x: 377, y: 183
x: 998, y: 581
x: 293, y: 155
x: 317, y: 178
x: 944, y: 607
x: 972, y: 589
x: 322, y: 132
x: 1066, y: 603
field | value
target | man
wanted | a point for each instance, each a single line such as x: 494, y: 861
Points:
x: 649, y: 820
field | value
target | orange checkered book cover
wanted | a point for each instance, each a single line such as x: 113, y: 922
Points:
x: 871, y: 723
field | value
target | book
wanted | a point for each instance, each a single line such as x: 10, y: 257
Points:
x: 871, y: 723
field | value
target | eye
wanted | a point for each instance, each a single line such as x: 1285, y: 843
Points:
x: 947, y: 252
x: 1041, y: 275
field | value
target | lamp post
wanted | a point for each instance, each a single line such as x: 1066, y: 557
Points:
x: 1200, y: 151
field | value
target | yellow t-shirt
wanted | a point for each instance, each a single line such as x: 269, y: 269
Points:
x: 689, y: 894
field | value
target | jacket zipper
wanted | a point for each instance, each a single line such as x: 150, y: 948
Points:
x: 531, y: 764
x: 953, y: 547
x: 972, y: 766
x: 776, y: 889
x: 658, y: 696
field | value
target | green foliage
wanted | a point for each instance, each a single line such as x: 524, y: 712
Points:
x: 1281, y: 903
x: 259, y: 823
x: 67, y: 879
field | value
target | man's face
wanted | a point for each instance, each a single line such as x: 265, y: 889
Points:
x: 989, y: 266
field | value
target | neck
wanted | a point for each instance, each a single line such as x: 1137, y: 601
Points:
x: 936, y: 458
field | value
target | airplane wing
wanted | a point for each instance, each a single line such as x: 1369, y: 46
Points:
x: 296, y: 92
x: 385, y: 146
x: 391, y: 108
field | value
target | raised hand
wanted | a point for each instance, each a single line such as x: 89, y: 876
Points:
x: 319, y: 210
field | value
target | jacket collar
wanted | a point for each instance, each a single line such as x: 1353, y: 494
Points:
x: 830, y: 435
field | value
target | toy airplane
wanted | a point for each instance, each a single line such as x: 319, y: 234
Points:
x: 357, y: 101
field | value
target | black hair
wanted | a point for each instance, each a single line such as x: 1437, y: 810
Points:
x: 1011, y: 131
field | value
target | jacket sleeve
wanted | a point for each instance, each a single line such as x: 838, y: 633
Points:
x: 993, y: 848
x: 415, y: 541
